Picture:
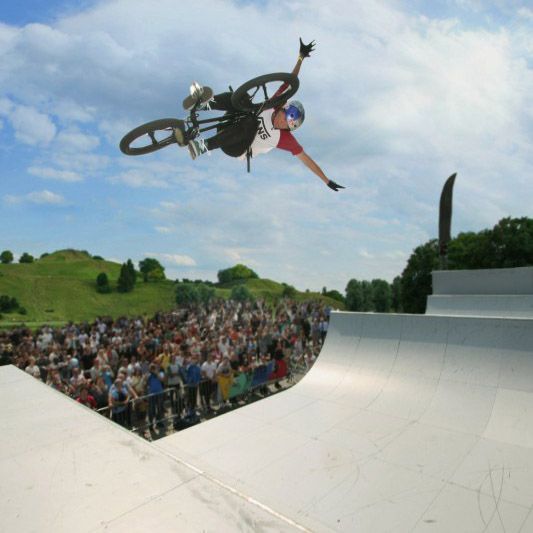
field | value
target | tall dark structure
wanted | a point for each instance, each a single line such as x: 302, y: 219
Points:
x: 445, y: 220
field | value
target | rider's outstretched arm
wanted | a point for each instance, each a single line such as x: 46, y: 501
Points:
x: 305, y: 51
x: 311, y: 165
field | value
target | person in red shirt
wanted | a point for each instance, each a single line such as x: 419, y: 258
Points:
x: 272, y: 129
x: 86, y: 399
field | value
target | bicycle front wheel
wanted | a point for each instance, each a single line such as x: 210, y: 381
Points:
x: 254, y: 94
x: 150, y: 137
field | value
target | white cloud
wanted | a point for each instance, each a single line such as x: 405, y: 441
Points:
x: 31, y: 126
x: 55, y: 174
x: 395, y: 103
x: 36, y: 197
x: 138, y: 178
x: 173, y: 259
x: 165, y: 230
x: 76, y: 141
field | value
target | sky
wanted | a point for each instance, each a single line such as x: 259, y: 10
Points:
x: 398, y: 96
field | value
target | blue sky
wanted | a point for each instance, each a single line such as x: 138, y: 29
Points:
x: 398, y: 96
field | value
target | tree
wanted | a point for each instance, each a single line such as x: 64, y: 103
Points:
x: 157, y: 274
x: 334, y: 295
x: 186, y: 294
x: 26, y: 258
x: 382, y: 295
x: 288, y: 291
x: 416, y: 281
x: 131, y: 272
x: 6, y: 257
x: 471, y: 250
x: 127, y: 277
x: 205, y: 292
x: 237, y: 273
x: 512, y: 242
x: 354, y: 296
x: 151, y: 266
x: 367, y: 291
x: 102, y: 283
x: 396, y: 294
x: 8, y: 304
x: 241, y: 293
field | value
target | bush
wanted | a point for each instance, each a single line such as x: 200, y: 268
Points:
x: 288, y: 291
x: 186, y: 294
x: 98, y: 257
x: 127, y: 278
x: 22, y: 311
x: 26, y: 258
x: 8, y: 304
x: 6, y: 257
x: 102, y: 283
x: 236, y: 273
x: 151, y: 269
x: 241, y: 293
x: 157, y: 274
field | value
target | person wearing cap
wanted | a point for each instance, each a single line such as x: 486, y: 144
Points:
x: 271, y: 129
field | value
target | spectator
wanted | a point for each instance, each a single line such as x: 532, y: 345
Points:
x: 207, y: 385
x: 193, y: 377
x: 155, y: 390
x: 118, y: 401
x: 85, y: 398
x: 33, y: 369
x: 225, y: 379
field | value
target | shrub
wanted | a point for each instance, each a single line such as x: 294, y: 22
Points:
x: 236, y: 273
x: 241, y: 293
x: 26, y: 258
x: 6, y: 257
x: 187, y: 294
x: 102, y: 283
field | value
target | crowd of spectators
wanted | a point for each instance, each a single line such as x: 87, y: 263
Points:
x: 129, y: 367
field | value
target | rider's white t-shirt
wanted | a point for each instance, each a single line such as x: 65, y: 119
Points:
x: 268, y: 137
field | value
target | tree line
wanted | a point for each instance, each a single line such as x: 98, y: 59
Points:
x: 508, y: 244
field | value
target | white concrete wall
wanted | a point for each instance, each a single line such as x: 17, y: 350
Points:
x: 489, y: 281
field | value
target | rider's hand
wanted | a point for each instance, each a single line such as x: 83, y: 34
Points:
x: 306, y: 49
x: 334, y: 186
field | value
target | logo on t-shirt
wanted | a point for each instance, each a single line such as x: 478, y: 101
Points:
x: 262, y: 130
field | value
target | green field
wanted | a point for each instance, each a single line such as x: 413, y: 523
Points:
x: 61, y: 287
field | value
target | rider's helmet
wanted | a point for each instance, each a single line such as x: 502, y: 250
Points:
x: 294, y: 113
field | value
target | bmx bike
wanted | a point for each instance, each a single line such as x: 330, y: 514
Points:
x: 250, y: 99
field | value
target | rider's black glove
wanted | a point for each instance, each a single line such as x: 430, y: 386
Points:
x: 334, y: 186
x: 306, y: 49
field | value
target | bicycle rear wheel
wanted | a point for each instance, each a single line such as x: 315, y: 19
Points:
x: 254, y: 94
x: 150, y: 137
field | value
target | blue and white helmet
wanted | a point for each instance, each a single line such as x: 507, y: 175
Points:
x: 294, y: 113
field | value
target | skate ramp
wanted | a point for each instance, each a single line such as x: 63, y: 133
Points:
x: 405, y: 423
x: 64, y: 468
x: 497, y: 305
x: 505, y: 292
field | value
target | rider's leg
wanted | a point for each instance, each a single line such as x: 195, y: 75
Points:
x: 234, y: 140
x: 222, y: 102
x: 199, y: 95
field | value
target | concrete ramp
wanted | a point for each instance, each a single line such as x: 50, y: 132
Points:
x: 405, y: 423
x: 64, y: 468
x: 503, y: 292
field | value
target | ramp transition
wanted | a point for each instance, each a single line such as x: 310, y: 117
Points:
x: 405, y: 423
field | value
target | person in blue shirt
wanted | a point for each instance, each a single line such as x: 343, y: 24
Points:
x: 118, y: 401
x: 192, y: 378
x: 155, y: 389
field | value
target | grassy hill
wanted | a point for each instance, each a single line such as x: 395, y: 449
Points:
x: 61, y: 287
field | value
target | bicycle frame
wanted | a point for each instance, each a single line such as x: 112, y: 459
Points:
x: 226, y: 120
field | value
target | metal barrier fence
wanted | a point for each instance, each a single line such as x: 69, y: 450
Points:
x: 181, y: 406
